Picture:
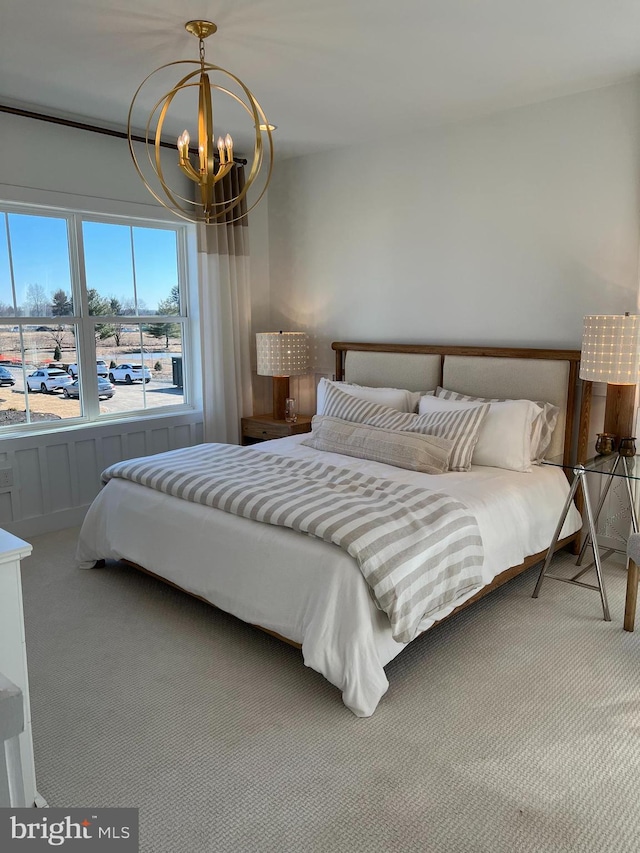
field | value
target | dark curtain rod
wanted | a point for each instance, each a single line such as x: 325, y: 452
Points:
x: 92, y: 128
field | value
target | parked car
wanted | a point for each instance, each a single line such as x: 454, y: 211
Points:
x: 130, y: 373
x: 102, y: 368
x: 6, y: 377
x: 48, y: 379
x: 105, y: 389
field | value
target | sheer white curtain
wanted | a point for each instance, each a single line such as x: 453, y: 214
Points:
x: 225, y: 320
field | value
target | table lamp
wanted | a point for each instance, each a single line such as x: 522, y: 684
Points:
x: 611, y: 354
x: 281, y: 355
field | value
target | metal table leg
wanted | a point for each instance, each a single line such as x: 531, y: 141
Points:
x: 578, y: 473
x: 603, y: 497
x: 579, y: 479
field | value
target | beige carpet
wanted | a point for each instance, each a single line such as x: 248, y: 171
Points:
x: 513, y: 727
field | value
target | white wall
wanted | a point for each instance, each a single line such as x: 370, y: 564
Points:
x: 56, y: 475
x: 505, y: 230
x: 51, y: 158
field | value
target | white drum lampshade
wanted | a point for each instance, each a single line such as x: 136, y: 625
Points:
x: 281, y: 355
x: 611, y: 354
x: 610, y: 351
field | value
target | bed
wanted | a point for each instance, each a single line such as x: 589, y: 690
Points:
x: 312, y: 593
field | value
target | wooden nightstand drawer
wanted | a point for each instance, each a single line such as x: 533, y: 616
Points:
x: 261, y: 430
x: 264, y: 428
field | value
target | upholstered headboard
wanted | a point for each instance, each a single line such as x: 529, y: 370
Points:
x: 415, y: 371
x: 533, y: 374
x: 522, y: 378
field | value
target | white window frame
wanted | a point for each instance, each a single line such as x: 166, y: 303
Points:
x: 85, y: 323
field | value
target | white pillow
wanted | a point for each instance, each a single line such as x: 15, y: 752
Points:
x: 505, y: 434
x: 541, y: 430
x: 396, y: 398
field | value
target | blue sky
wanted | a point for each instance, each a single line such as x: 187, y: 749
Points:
x: 108, y: 258
x: 39, y: 252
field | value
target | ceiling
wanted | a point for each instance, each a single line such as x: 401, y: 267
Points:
x: 330, y: 73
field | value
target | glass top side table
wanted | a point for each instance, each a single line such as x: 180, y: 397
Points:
x: 611, y: 466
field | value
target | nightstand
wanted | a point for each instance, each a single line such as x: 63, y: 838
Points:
x: 265, y: 427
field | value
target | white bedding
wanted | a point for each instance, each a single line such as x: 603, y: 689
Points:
x: 303, y: 588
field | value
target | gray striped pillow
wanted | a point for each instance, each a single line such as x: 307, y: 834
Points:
x: 546, y: 424
x: 339, y: 404
x: 461, y: 427
x: 425, y: 453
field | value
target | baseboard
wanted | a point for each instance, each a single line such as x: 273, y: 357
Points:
x: 608, y: 543
x: 28, y: 527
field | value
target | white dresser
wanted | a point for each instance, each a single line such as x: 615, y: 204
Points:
x: 13, y: 650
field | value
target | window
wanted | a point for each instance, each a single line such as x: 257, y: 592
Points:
x: 93, y: 319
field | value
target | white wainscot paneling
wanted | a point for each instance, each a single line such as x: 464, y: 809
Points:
x: 57, y: 475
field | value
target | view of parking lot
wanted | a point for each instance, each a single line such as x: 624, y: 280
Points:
x: 163, y: 371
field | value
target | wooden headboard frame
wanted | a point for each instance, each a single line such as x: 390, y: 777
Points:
x: 578, y: 391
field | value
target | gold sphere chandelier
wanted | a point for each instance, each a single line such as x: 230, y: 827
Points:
x: 213, y: 159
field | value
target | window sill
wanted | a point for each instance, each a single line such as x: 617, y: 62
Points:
x: 47, y: 428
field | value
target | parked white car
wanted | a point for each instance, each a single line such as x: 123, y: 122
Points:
x: 102, y: 368
x: 130, y: 373
x: 48, y: 379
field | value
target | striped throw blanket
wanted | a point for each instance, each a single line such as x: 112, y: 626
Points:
x: 417, y: 549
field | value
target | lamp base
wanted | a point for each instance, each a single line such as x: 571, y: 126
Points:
x: 619, y: 410
x: 280, y: 394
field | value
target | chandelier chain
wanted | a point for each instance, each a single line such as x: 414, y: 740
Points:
x: 202, y: 52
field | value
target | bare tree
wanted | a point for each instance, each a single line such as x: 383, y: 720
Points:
x: 58, y: 336
x: 37, y: 301
x: 129, y: 307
